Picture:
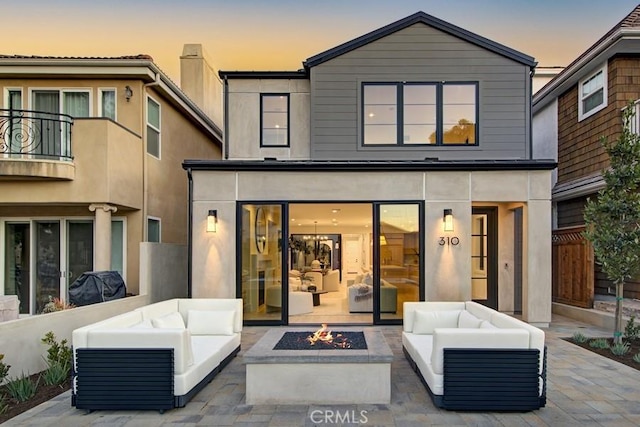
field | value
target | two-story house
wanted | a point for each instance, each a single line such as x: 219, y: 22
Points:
x: 90, y: 166
x: 571, y: 114
x: 401, y: 158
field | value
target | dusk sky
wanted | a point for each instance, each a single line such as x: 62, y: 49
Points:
x: 280, y: 34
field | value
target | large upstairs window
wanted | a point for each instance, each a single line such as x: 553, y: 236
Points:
x: 592, y: 93
x: 403, y: 113
x: 274, y: 120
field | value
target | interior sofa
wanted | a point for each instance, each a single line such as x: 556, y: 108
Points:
x: 360, y: 296
x: 331, y: 281
x: 154, y: 357
x: 300, y: 302
x: 471, y: 357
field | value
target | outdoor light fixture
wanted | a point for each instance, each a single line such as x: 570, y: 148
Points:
x: 447, y: 219
x: 212, y: 221
x: 128, y: 93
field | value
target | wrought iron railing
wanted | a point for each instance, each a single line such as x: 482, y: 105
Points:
x: 35, y: 135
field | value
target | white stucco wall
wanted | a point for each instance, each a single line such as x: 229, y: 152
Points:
x: 447, y: 268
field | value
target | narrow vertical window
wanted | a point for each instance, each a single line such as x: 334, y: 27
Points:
x: 458, y: 114
x: 153, y: 127
x: 274, y: 120
x: 380, y: 114
x: 153, y: 230
x: 108, y: 103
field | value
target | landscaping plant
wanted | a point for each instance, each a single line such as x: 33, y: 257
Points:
x: 22, y: 388
x: 4, y: 369
x: 613, y: 219
x: 579, y: 337
x: 58, y: 360
x: 632, y: 331
x: 599, y: 343
x: 636, y: 358
x: 620, y: 348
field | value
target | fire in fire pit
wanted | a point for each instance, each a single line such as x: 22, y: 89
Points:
x: 322, y: 339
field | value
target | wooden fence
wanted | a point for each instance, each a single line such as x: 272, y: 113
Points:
x: 573, y: 268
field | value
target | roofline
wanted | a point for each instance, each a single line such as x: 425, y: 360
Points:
x: 428, y: 20
x: 300, y: 74
x: 365, y: 166
x: 564, y: 80
x: 143, y: 69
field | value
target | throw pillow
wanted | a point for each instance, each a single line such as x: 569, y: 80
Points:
x: 211, y: 322
x: 145, y: 324
x: 485, y: 324
x: 468, y: 320
x: 368, y: 279
x: 169, y: 321
x: 424, y: 322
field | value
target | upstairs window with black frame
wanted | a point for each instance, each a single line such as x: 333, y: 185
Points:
x: 402, y: 113
x: 274, y: 120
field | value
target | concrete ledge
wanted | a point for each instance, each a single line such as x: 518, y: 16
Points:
x: 593, y: 317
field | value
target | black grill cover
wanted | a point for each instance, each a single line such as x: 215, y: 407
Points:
x: 97, y: 286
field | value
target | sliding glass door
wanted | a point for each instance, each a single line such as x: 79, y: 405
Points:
x: 398, y: 265
x: 260, y: 263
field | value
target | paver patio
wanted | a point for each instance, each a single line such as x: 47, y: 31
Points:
x: 583, y: 389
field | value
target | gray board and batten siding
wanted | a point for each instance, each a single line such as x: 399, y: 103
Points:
x: 420, y: 53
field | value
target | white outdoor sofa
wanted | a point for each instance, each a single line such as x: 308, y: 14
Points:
x: 155, y: 357
x: 471, y: 357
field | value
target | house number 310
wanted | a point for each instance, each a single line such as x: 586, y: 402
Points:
x: 448, y: 241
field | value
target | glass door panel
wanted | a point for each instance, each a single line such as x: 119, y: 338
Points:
x: 47, y: 105
x: 484, y: 251
x: 47, y: 253
x: 80, y: 249
x: 117, y: 247
x: 17, y: 262
x: 261, y: 261
x: 399, y: 265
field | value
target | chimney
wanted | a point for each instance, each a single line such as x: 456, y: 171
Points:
x: 199, y: 80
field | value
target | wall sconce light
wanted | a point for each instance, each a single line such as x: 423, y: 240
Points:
x: 383, y: 240
x: 447, y: 219
x: 212, y: 221
x: 128, y: 93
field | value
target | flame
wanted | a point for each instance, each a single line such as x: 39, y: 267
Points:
x: 323, y: 335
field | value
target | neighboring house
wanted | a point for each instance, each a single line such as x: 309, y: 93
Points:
x: 90, y: 167
x: 405, y: 153
x: 571, y: 114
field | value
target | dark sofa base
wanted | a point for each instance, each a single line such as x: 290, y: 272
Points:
x: 489, y: 380
x: 131, y: 379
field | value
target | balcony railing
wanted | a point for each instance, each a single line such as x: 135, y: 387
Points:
x: 35, y: 135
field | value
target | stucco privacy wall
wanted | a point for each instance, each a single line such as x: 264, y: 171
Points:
x: 447, y: 268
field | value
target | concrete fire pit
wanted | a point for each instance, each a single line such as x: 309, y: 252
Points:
x: 318, y: 376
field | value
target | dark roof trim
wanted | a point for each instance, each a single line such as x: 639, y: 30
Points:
x: 366, y: 166
x: 431, y: 21
x: 300, y: 74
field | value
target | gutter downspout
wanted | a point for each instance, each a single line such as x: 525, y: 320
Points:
x: 145, y: 192
x: 226, y: 118
x: 532, y: 71
x: 189, y: 234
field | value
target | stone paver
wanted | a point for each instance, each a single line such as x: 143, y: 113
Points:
x: 583, y: 389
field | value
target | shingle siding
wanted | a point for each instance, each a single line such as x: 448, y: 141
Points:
x: 420, y: 53
x: 580, y: 152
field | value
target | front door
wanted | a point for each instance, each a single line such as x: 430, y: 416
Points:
x: 484, y: 251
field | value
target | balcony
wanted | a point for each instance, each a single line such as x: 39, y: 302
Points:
x: 35, y: 145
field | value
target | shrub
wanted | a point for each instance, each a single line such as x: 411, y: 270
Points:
x: 636, y: 358
x: 56, y: 373
x: 599, y: 343
x: 57, y: 352
x: 4, y: 369
x: 579, y: 337
x: 632, y: 331
x: 620, y: 349
x: 56, y: 304
x: 3, y: 404
x: 22, y: 388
